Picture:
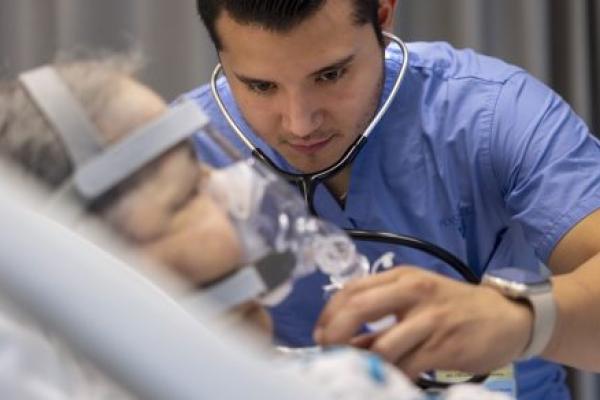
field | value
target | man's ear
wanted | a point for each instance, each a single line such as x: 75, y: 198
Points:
x: 386, y: 13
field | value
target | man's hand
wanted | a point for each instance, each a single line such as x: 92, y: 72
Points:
x: 441, y: 323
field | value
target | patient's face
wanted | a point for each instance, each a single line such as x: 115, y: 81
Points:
x: 166, y: 212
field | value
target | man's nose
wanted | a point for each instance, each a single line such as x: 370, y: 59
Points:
x: 302, y: 115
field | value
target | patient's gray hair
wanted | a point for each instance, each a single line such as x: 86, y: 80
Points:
x: 29, y: 140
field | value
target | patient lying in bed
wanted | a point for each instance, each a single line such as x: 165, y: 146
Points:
x: 162, y: 210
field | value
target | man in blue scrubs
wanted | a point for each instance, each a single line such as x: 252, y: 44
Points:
x: 474, y: 155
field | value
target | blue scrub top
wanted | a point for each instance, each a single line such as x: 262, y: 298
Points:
x: 474, y: 155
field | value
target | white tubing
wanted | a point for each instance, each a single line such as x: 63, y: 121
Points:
x: 121, y: 321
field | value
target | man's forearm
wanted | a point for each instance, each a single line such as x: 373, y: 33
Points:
x: 576, y: 339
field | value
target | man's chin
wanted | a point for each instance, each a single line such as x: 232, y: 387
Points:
x: 310, y: 168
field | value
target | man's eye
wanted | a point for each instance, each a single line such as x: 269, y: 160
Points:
x: 261, y: 87
x: 331, y: 76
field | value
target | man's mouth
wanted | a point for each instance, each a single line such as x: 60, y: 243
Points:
x: 310, y: 147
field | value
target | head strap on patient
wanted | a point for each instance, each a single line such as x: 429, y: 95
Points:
x: 99, y: 168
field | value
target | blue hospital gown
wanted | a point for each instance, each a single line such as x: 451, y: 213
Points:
x: 474, y: 155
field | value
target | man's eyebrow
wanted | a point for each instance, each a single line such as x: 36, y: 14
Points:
x: 336, y: 65
x: 331, y: 67
x: 248, y: 80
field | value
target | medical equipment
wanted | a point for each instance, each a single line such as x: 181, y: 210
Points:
x: 270, y: 216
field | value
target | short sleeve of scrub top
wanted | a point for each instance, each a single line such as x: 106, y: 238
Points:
x: 545, y: 161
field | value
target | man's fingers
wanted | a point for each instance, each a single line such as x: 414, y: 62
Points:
x: 405, y: 337
x: 411, y: 282
x: 342, y: 321
x: 364, y: 341
x: 395, y: 294
x: 355, y: 287
x: 416, y: 362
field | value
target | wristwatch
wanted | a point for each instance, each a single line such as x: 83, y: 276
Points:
x: 534, y: 287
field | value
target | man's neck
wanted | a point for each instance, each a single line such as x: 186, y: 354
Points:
x: 339, y: 184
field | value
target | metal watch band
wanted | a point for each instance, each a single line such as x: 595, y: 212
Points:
x: 544, y: 319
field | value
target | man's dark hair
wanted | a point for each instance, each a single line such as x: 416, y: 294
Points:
x: 279, y: 15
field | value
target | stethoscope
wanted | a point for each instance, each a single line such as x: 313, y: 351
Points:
x: 307, y: 183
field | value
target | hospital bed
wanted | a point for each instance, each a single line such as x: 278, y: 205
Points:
x: 121, y: 321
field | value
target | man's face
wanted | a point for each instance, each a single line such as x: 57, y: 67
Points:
x: 310, y: 92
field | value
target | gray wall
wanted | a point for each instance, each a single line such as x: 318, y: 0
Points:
x: 550, y: 38
x: 553, y: 39
x: 167, y: 31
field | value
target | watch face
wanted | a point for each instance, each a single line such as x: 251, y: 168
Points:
x: 524, y: 276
